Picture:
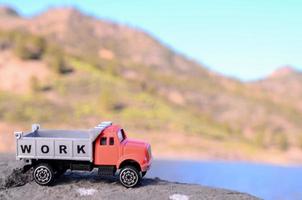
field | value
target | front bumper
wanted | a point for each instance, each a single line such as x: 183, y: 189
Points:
x: 146, y: 166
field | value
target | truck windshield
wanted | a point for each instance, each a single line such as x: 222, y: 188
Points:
x: 121, y: 135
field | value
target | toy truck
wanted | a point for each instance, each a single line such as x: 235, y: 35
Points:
x: 106, y: 147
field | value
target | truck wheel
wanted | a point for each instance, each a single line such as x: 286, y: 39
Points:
x: 43, y: 174
x: 129, y: 176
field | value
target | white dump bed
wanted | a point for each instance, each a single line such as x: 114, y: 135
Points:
x: 58, y: 144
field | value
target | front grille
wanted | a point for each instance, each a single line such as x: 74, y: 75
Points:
x: 106, y: 170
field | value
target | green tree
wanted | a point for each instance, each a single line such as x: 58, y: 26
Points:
x: 109, y: 101
x: 281, y: 141
x: 56, y: 60
x: 29, y: 47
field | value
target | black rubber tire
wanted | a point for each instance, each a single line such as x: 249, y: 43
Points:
x: 144, y: 173
x: 44, y: 174
x: 129, y: 176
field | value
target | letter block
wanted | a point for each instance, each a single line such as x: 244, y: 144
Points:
x: 63, y: 148
x: 26, y: 147
x: 45, y: 148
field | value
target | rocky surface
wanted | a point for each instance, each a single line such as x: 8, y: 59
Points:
x: 87, y: 185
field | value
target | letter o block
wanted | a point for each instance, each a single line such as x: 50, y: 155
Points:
x: 45, y: 148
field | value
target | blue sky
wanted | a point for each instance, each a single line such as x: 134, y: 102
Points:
x: 240, y: 38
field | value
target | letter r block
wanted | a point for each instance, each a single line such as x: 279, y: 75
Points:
x: 63, y: 152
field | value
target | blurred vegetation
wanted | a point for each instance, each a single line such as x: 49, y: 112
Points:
x: 300, y: 141
x: 280, y: 140
x: 259, y: 139
x: 35, y: 84
x: 97, y: 90
x: 27, y: 46
x: 26, y: 108
x: 55, y: 59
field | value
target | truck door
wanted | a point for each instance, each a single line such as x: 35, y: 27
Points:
x: 106, y: 150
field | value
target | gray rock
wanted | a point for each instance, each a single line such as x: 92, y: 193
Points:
x: 14, y: 184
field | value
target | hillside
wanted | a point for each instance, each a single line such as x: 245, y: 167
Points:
x: 77, y: 70
x: 284, y: 85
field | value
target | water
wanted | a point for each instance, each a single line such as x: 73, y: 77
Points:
x: 265, y: 181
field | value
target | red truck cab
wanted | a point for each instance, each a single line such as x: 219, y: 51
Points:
x: 121, y: 150
x: 131, y: 158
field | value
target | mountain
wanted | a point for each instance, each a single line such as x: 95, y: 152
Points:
x: 6, y: 11
x: 283, y: 72
x: 94, y: 69
x: 285, y: 86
